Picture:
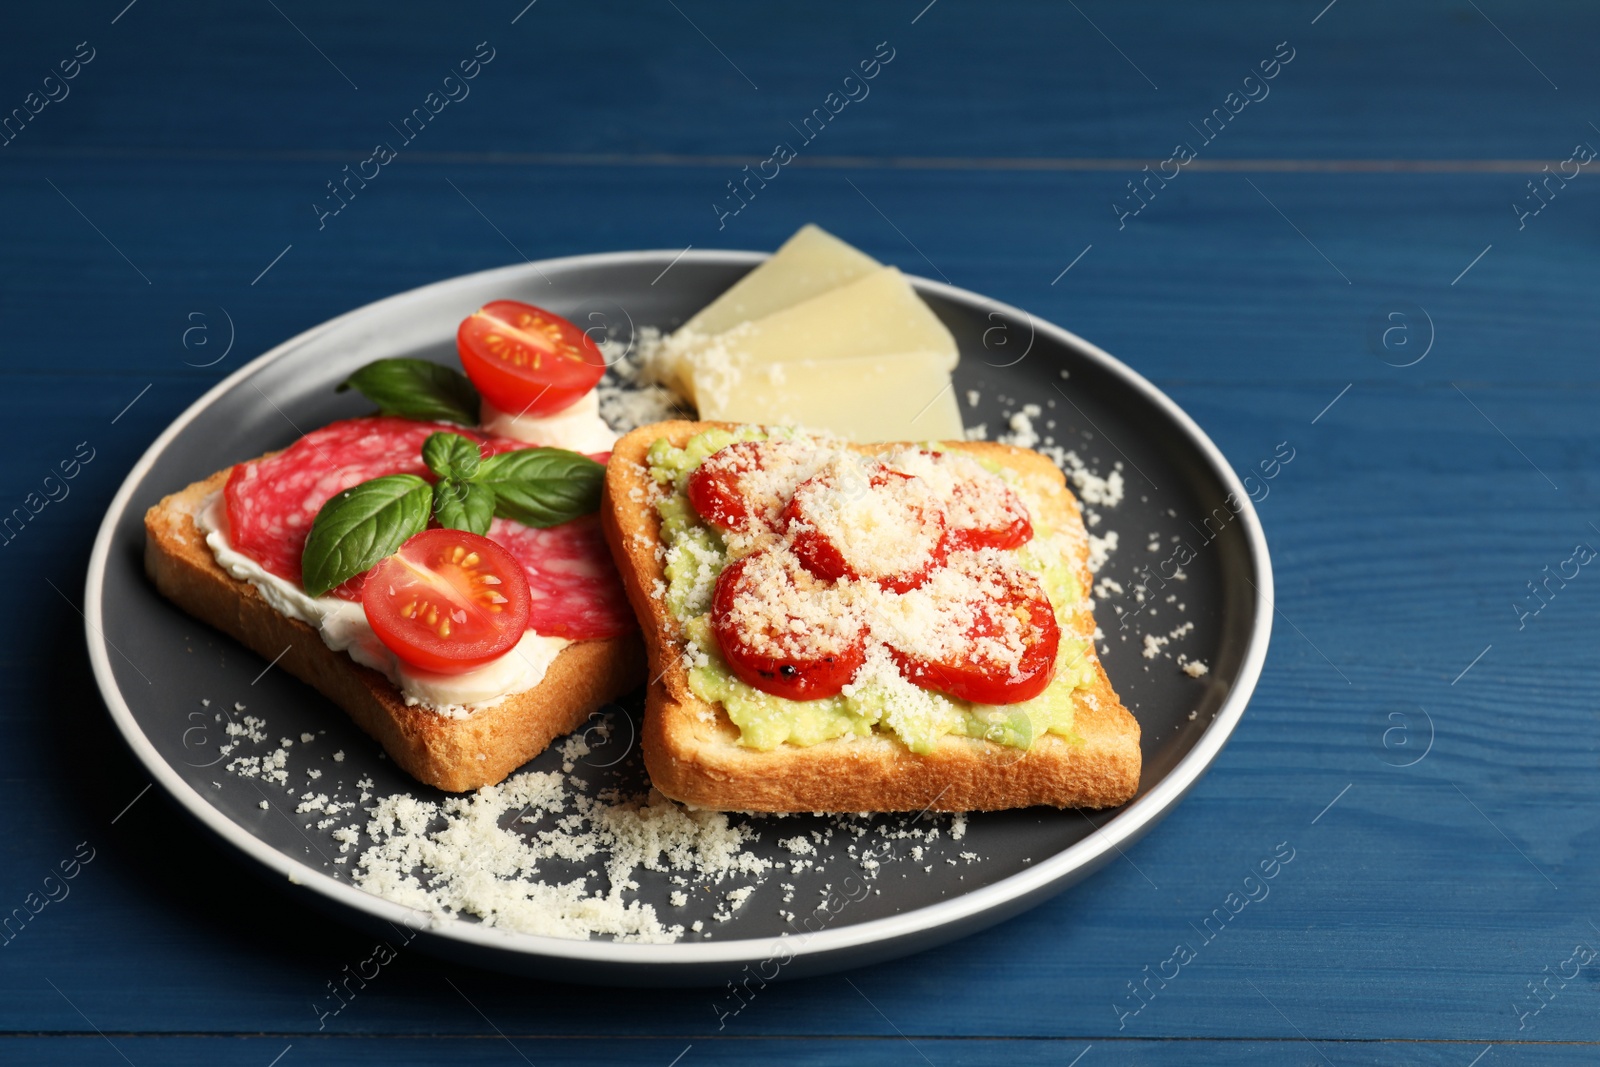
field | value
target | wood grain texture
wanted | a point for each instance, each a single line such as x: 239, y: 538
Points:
x: 1418, y: 906
x: 1033, y: 79
x: 605, y: 1051
x: 1278, y: 312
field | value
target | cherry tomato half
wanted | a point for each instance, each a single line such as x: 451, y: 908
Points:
x: 878, y: 524
x: 1012, y: 606
x: 525, y: 360
x: 448, y: 601
x: 816, y: 662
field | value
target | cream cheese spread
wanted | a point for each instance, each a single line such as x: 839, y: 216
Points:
x: 578, y: 428
x: 343, y: 626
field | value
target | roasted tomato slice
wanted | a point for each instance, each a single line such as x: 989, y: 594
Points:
x: 448, y: 601
x: 742, y: 486
x: 996, y: 638
x: 714, y: 487
x: 782, y: 631
x: 985, y: 513
x: 525, y: 360
x: 863, y: 520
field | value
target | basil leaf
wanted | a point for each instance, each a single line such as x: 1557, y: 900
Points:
x: 449, y: 455
x: 362, y: 525
x: 463, y: 505
x: 542, y: 486
x: 416, y: 389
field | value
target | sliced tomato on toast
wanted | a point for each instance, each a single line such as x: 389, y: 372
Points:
x: 780, y: 631
x: 997, y: 639
x: 985, y: 513
x: 448, y: 601
x: 718, y: 491
x: 865, y: 520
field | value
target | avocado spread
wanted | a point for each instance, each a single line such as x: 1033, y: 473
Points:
x: 879, y: 699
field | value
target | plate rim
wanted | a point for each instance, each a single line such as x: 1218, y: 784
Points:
x: 1034, y: 881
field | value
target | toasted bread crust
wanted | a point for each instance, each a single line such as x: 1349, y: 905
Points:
x: 451, y: 754
x: 692, y: 749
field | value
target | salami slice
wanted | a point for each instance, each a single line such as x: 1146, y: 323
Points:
x: 576, y: 591
x: 271, y: 504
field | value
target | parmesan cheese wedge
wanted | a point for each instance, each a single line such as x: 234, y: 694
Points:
x: 809, y: 264
x: 878, y: 314
x: 903, y: 396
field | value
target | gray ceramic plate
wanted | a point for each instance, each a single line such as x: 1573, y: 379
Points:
x: 155, y: 665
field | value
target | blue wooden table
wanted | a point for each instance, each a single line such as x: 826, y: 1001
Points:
x: 1369, y: 230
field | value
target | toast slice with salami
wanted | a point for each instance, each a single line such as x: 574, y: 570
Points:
x: 695, y: 753
x: 451, y: 753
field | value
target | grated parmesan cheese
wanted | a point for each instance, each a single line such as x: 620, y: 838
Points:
x: 459, y: 858
x: 1154, y: 643
x: 1100, y: 549
x: 882, y: 525
x: 627, y: 398
x: 506, y: 855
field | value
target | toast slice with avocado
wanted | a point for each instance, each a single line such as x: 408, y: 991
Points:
x: 695, y: 753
